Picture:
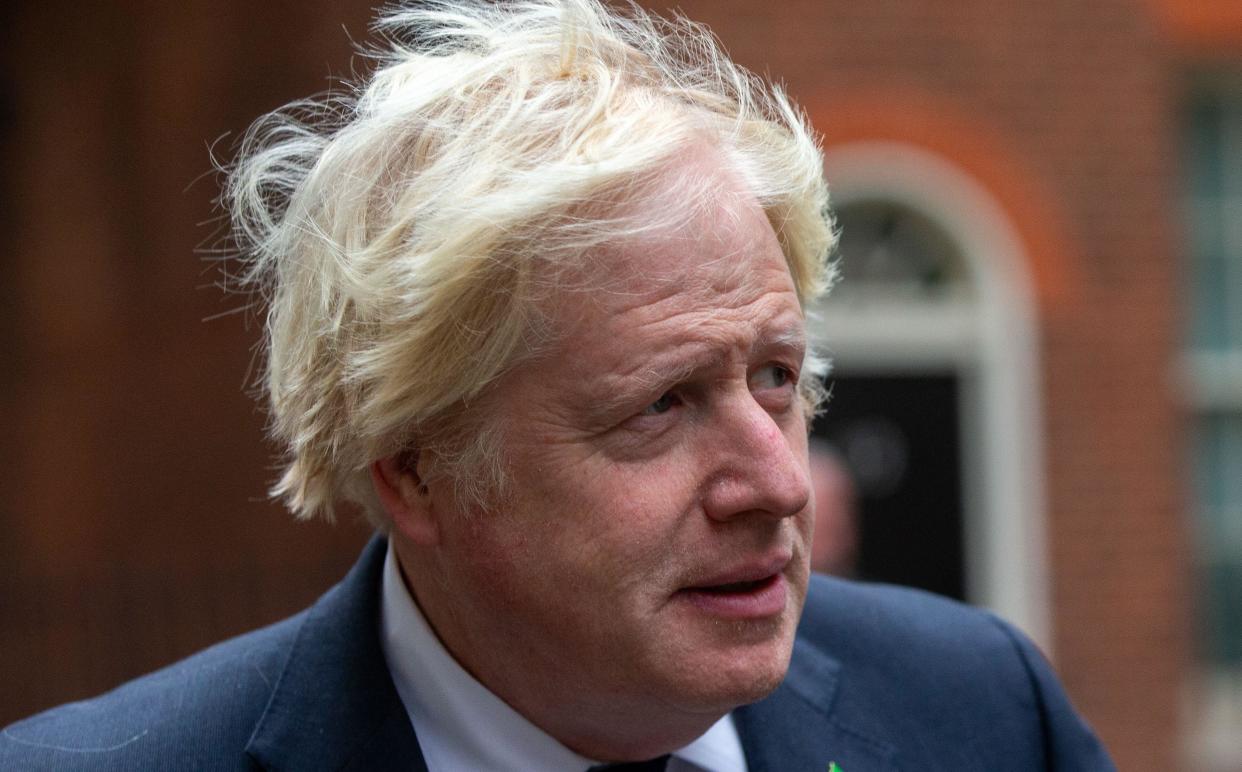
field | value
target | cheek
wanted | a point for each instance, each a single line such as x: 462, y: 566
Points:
x: 492, y: 555
x: 581, y: 520
x: 655, y: 496
x: 603, y: 492
x: 610, y: 528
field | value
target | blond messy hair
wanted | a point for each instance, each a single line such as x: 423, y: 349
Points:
x: 402, y: 235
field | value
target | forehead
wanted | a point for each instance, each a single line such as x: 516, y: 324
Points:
x: 710, y: 281
x: 694, y: 229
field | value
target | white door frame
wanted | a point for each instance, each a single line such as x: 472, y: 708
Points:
x: 992, y: 343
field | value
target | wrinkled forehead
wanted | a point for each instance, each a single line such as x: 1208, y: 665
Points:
x: 686, y: 228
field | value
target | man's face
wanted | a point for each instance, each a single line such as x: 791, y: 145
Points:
x: 653, y: 549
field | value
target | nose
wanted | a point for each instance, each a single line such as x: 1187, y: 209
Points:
x: 759, y: 463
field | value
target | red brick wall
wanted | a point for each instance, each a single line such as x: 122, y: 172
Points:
x: 133, y: 524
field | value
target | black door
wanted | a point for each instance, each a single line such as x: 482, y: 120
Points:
x: 899, y: 438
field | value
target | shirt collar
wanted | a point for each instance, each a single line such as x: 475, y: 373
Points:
x: 463, y: 725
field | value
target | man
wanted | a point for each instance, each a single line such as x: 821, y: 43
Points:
x: 536, y: 307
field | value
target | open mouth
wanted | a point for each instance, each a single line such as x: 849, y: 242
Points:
x: 751, y: 599
x: 734, y: 588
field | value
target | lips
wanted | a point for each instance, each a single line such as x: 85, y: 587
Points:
x: 752, y: 591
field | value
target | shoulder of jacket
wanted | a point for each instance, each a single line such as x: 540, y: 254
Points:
x: 187, y: 714
x: 911, y: 633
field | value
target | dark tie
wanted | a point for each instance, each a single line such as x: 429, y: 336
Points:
x: 651, y: 765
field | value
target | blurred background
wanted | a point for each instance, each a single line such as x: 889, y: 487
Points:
x: 1038, y: 341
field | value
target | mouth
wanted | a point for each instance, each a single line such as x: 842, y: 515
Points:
x: 736, y: 588
x: 748, y: 593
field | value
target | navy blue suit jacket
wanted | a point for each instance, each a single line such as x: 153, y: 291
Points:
x: 881, y: 679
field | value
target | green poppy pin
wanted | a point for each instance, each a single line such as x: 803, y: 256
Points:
x: 832, y: 767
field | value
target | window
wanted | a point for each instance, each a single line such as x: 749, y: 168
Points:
x: 1214, y: 360
x: 1213, y: 377
x: 894, y: 252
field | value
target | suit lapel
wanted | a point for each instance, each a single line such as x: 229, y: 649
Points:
x: 795, y: 727
x: 334, y: 705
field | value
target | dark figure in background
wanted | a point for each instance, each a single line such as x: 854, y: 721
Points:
x: 834, y: 549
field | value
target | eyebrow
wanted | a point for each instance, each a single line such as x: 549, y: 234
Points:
x: 788, y: 336
x: 664, y: 371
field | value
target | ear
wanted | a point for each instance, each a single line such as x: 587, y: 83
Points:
x: 405, y: 498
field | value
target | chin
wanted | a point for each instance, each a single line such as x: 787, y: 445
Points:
x: 720, y: 683
x: 758, y: 679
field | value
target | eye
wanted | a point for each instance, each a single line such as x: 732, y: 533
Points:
x: 665, y: 403
x: 772, y: 377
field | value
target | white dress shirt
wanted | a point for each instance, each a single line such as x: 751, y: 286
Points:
x: 461, y: 725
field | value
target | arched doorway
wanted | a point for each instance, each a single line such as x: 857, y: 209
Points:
x: 935, y: 381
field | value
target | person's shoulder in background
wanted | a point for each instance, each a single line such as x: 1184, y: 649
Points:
x: 935, y: 673
x: 185, y: 716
